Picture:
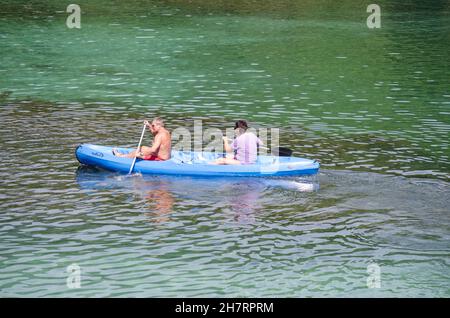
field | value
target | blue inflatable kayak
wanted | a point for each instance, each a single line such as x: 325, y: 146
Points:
x: 194, y: 164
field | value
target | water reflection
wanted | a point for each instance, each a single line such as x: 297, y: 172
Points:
x: 159, y: 200
x: 224, y: 236
x: 244, y: 197
x: 244, y: 200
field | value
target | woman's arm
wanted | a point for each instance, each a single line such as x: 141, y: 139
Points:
x: 226, y: 145
x: 259, y: 142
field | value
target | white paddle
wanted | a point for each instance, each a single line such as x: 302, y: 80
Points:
x: 138, y: 148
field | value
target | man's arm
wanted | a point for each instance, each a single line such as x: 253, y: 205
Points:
x: 153, y: 150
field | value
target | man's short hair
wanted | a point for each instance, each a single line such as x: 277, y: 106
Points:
x: 159, y: 121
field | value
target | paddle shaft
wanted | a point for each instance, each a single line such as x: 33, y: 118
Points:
x: 138, y: 148
x: 282, y: 151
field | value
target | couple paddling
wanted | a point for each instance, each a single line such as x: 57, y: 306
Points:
x: 243, y: 149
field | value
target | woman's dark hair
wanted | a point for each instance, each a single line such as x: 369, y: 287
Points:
x: 241, y: 124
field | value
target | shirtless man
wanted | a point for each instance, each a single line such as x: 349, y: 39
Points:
x: 161, y: 147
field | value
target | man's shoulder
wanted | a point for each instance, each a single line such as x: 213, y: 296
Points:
x: 165, y: 134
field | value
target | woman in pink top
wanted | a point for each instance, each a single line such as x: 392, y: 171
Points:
x: 244, y: 149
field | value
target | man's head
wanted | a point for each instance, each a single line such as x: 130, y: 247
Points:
x: 240, y: 127
x: 156, y: 124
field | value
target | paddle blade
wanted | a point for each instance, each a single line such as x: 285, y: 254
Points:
x: 282, y: 152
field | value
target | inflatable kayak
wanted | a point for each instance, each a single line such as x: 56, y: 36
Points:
x: 194, y: 164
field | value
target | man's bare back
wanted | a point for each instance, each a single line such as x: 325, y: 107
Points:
x: 162, y: 138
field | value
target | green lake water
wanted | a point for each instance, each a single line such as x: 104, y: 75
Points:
x: 372, y: 105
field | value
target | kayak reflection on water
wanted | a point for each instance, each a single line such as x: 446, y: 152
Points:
x: 244, y: 197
